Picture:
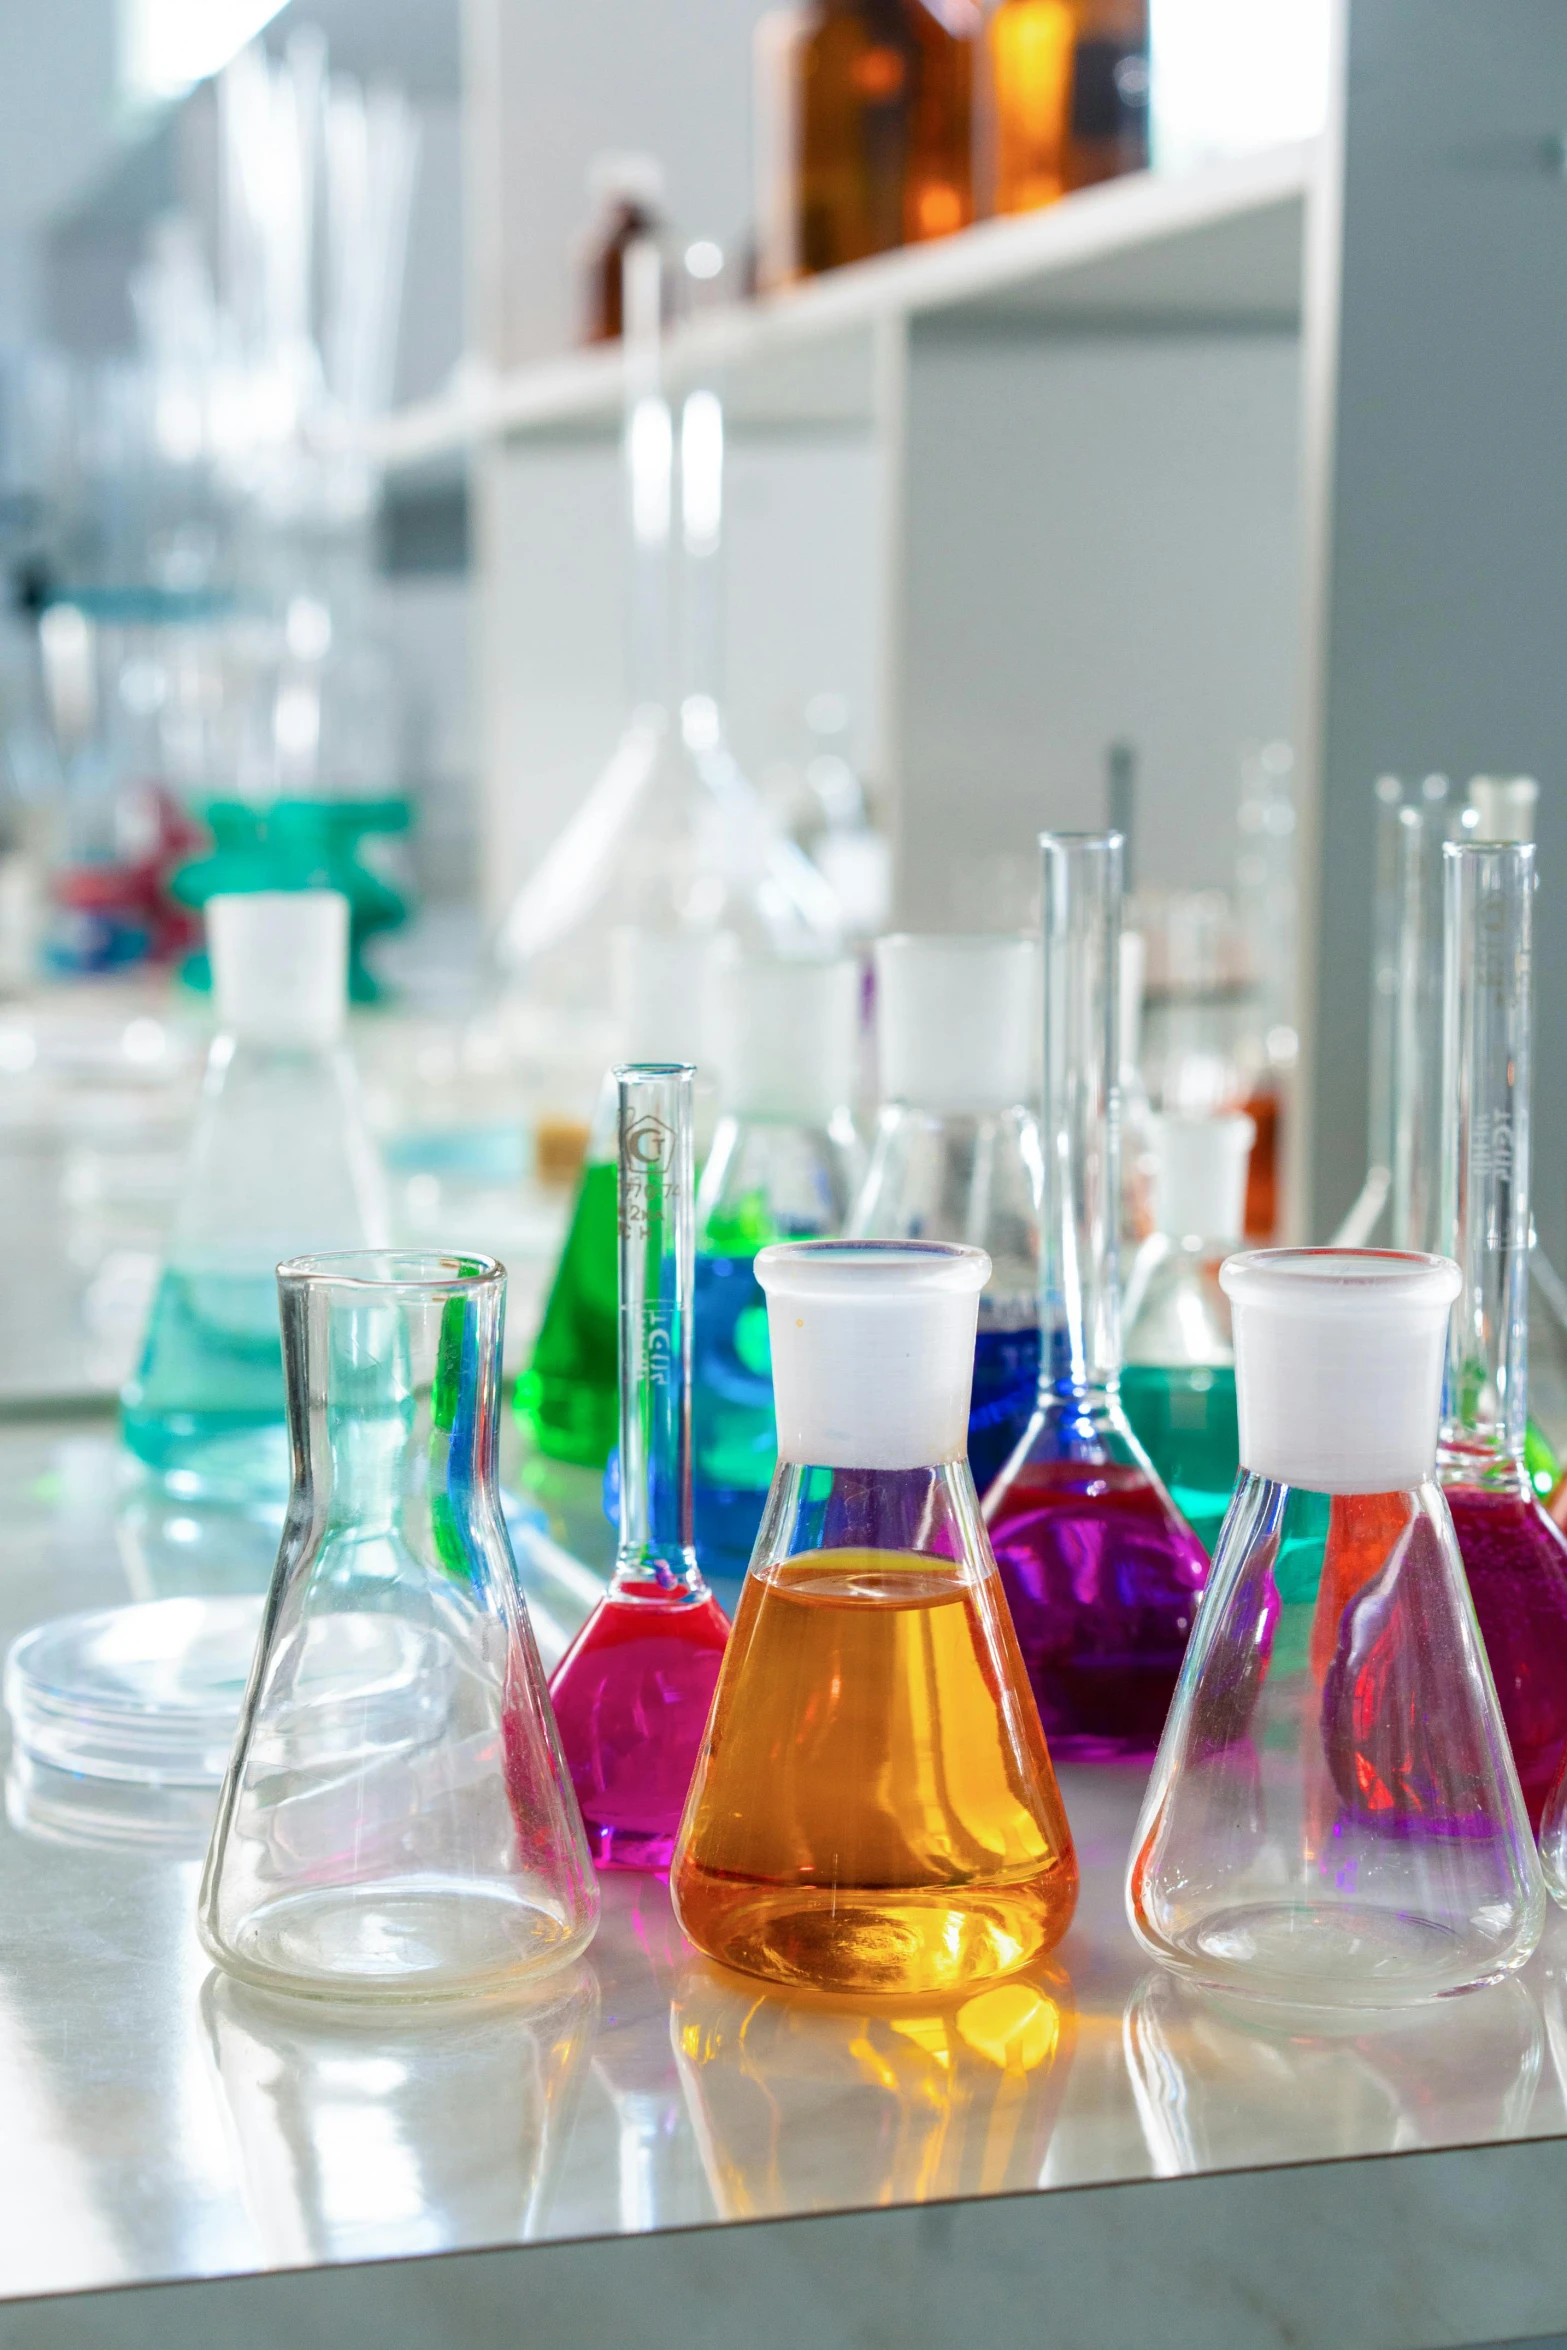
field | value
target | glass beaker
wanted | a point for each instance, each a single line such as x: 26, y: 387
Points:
x: 1100, y: 1570
x: 874, y: 1808
x: 1178, y: 1380
x: 1514, y: 1556
x: 956, y: 1155
x: 632, y: 1692
x: 1334, y: 1819
x: 416, y: 1838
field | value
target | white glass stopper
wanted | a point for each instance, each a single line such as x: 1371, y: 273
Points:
x: 873, y: 1350
x: 956, y: 1020
x: 1199, y: 1187
x: 1339, y: 1354
x: 280, y: 964
x: 784, y: 1036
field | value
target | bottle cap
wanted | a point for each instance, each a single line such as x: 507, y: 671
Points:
x: 784, y: 1037
x: 956, y: 1022
x: 280, y: 964
x: 1199, y: 1185
x: 659, y: 986
x: 873, y: 1349
x: 1339, y: 1356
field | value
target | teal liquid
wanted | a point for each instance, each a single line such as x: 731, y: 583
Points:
x: 1184, y: 1418
x: 205, y: 1409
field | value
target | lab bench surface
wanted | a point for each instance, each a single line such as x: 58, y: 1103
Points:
x: 1076, y: 2158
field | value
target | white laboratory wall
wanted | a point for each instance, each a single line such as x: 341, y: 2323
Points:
x: 1102, y: 544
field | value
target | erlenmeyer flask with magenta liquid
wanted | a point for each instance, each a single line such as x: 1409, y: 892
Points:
x: 631, y: 1694
x: 874, y: 1808
x: 1101, y: 1571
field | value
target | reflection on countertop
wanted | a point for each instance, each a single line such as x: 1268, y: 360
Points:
x: 166, y: 2122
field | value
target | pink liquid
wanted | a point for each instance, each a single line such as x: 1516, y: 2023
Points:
x: 631, y: 1698
x: 1516, y: 1561
x: 1102, y: 1580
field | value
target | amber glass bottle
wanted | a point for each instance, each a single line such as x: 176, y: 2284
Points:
x: 1069, y: 82
x: 886, y: 126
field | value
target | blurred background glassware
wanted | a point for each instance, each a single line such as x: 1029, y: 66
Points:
x: 1178, y: 1372
x: 866, y: 123
x: 632, y: 1692
x: 1515, y: 1557
x: 808, y: 2103
x: 1100, y: 1570
x: 360, y: 1854
x: 874, y: 1808
x: 365, y: 2136
x: 784, y: 1166
x: 280, y: 1159
x: 627, y: 192
x: 1334, y: 1819
x: 672, y: 838
x: 956, y: 1150
x: 1069, y: 88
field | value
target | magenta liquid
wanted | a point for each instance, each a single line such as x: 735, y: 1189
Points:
x: 1516, y: 1561
x: 631, y: 1698
x: 1102, y: 1580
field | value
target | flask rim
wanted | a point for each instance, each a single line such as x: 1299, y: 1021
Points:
x: 1311, y: 1277
x: 841, y: 1268
x: 427, y: 1272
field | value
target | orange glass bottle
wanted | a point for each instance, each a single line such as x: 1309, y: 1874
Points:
x: 885, y: 127
x: 1069, y: 86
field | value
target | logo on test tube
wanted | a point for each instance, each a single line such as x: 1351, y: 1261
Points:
x: 647, y: 1156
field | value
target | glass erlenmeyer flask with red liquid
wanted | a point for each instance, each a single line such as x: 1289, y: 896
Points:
x: 1514, y: 1556
x: 631, y: 1694
x: 1334, y: 1819
x: 875, y: 1808
x: 1100, y: 1569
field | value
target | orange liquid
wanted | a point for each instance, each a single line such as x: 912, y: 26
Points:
x: 874, y: 1809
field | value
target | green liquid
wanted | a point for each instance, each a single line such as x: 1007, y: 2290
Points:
x: 206, y: 1406
x: 1185, y: 1419
x: 568, y: 1398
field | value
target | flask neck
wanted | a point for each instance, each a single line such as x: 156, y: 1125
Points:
x: 657, y: 1271
x: 1080, y: 1128
x: 1489, y: 896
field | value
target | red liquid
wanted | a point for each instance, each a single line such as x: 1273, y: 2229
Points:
x: 1516, y: 1561
x: 631, y: 1698
x: 1102, y: 1580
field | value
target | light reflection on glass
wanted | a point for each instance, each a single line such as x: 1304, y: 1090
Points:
x: 809, y: 2103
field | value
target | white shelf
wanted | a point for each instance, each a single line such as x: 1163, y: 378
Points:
x: 1217, y: 250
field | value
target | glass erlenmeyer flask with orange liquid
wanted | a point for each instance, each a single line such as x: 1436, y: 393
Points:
x: 874, y: 1808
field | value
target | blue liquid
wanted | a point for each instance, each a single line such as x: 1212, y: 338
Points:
x: 205, y: 1408
x: 1006, y: 1381
x: 734, y: 1438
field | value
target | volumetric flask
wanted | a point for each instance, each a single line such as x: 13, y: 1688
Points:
x: 417, y: 1838
x: 632, y: 1692
x: 874, y: 1808
x: 1334, y: 1820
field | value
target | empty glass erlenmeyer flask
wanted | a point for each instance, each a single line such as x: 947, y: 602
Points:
x: 874, y: 1808
x: 417, y: 1838
x: 632, y: 1692
x: 1178, y: 1379
x: 1100, y: 1570
x: 281, y: 1162
x: 956, y: 1155
x: 1334, y: 1819
x: 782, y: 1167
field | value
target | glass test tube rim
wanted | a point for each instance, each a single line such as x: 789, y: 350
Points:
x: 421, y: 1272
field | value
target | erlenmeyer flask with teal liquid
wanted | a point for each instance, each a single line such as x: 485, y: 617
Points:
x: 783, y: 1167
x: 1178, y: 1376
x: 281, y: 1161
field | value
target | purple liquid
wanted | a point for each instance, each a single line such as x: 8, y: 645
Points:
x: 1516, y: 1561
x: 1102, y: 1579
x: 631, y: 1698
